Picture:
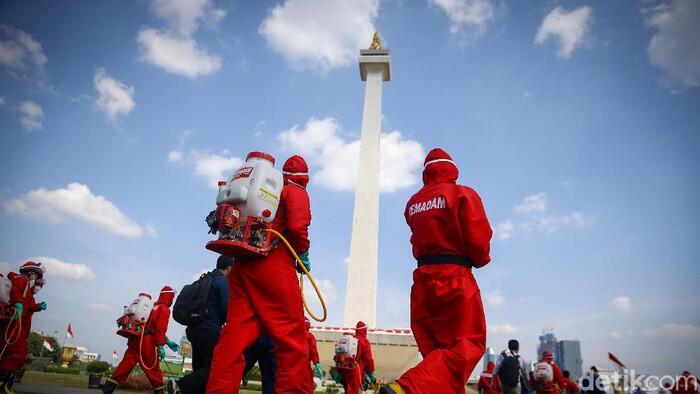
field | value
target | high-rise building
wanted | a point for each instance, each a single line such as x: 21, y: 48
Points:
x: 548, y: 341
x: 489, y: 355
x: 569, y: 358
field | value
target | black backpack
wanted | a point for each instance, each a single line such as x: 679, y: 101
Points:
x: 509, y: 371
x: 191, y: 304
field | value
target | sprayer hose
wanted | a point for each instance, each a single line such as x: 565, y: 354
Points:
x: 18, y: 328
x: 301, y: 280
x: 141, y: 352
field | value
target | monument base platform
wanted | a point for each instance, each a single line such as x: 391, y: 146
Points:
x: 395, y: 351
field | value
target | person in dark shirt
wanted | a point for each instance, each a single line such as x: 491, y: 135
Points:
x: 205, y: 334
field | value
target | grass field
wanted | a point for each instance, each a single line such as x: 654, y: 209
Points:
x: 55, y: 379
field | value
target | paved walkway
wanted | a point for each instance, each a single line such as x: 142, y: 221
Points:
x: 24, y: 388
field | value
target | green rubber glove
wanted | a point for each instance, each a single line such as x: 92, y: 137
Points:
x: 304, y: 257
x: 42, y: 306
x: 338, y: 378
x: 318, y: 371
x: 172, y: 345
x: 372, y: 378
x: 161, y: 352
x: 19, y: 310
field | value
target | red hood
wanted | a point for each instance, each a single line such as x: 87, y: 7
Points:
x: 439, y: 168
x: 361, y: 330
x: 167, y: 294
x: 296, y: 171
x: 490, y: 367
x: 307, y: 324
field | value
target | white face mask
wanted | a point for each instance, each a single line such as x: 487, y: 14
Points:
x: 37, y: 289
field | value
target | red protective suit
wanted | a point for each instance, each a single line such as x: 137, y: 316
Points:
x: 154, y: 336
x: 450, y: 233
x: 570, y: 387
x: 364, y: 349
x: 557, y: 385
x: 311, y: 340
x: 686, y: 384
x: 313, y: 349
x: 16, y: 348
x: 488, y: 382
x: 264, y: 295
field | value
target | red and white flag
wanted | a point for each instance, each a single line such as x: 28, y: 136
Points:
x: 616, y: 360
x: 47, y: 345
x: 114, y: 355
x: 69, y: 332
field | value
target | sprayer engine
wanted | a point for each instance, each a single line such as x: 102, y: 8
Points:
x: 345, y: 352
x: 133, y: 322
x: 245, y: 208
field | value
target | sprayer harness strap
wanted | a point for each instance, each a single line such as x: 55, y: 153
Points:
x: 445, y: 259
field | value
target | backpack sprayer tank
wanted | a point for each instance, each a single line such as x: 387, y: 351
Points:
x: 135, y: 316
x: 246, y: 207
x: 345, y: 352
x: 5, y: 286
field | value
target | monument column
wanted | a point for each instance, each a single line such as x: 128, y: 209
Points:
x: 361, y: 289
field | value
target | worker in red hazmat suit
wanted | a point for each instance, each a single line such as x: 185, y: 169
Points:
x: 313, y: 351
x: 450, y: 236
x: 364, y: 352
x: 146, y: 350
x: 548, y: 382
x: 14, y: 332
x: 264, y: 296
x: 685, y: 384
x: 488, y: 382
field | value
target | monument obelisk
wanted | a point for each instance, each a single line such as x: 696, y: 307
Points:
x: 361, y: 289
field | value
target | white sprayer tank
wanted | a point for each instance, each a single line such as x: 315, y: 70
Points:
x: 141, y: 307
x: 347, y: 344
x: 5, y: 286
x: 254, y: 188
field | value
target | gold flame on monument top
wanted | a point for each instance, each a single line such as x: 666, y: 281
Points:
x: 376, y: 41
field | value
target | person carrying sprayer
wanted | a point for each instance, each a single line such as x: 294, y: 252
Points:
x: 546, y: 377
x: 14, y: 331
x: 148, y: 348
x: 450, y: 235
x: 265, y: 296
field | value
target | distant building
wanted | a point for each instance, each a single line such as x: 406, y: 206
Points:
x: 569, y: 358
x: 87, y: 357
x: 548, y: 341
x: 489, y: 355
x: 185, y: 347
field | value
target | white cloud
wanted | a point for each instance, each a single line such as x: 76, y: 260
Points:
x: 56, y: 268
x: 176, y: 54
x: 504, y: 230
x: 495, y: 298
x: 174, y: 156
x: 328, y: 290
x: 674, y: 47
x: 336, y: 160
x: 100, y: 307
x: 675, y: 331
x: 569, y: 27
x: 75, y: 202
x: 551, y: 223
x: 214, y: 166
x: 622, y: 304
x: 32, y: 116
x: 19, y: 51
x: 502, y: 329
x: 320, y: 35
x: 474, y: 15
x: 537, y: 218
x: 3, y: 100
x: 534, y: 203
x: 174, y: 49
x: 115, y: 98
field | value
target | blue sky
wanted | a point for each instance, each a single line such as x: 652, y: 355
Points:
x: 576, y: 122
